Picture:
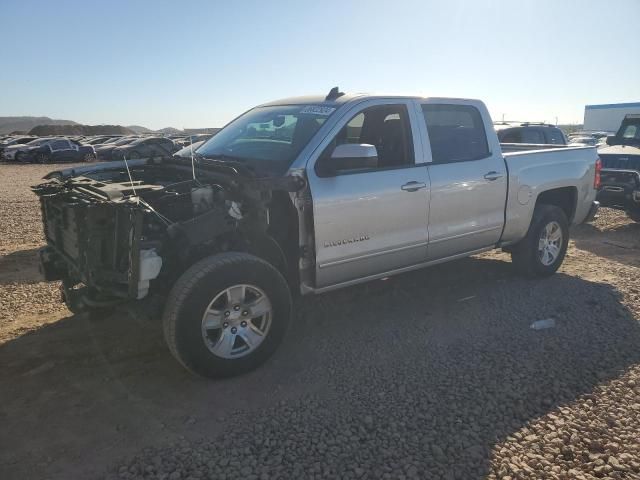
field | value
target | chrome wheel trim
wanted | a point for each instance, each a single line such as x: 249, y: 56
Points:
x: 550, y: 243
x: 237, y: 321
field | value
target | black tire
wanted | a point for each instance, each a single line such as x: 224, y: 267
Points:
x: 42, y: 158
x: 18, y: 157
x: 526, y: 255
x: 134, y: 154
x: 89, y: 157
x: 195, y: 290
x: 634, y: 215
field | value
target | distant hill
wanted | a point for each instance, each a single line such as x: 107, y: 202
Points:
x: 48, y: 126
x: 25, y: 124
x: 139, y: 129
x: 76, y: 129
x: 170, y: 131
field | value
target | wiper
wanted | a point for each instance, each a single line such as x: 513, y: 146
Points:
x: 228, y: 161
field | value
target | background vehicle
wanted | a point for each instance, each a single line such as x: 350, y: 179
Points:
x: 145, y: 148
x: 620, y: 187
x: 104, y: 150
x: 185, y: 141
x: 8, y: 142
x: 101, y: 140
x: 530, y: 133
x: 186, y: 152
x: 51, y: 150
x: 305, y: 195
x: 18, y: 153
x: 583, y: 140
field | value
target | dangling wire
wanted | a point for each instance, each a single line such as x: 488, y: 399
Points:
x: 126, y: 164
x: 193, y: 162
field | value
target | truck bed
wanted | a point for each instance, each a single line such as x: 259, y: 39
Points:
x: 535, y: 171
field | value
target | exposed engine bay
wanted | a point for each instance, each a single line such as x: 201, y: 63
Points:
x: 119, y: 230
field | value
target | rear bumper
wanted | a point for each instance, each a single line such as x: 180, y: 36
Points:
x: 620, y: 189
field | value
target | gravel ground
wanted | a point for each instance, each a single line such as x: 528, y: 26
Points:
x: 433, y: 374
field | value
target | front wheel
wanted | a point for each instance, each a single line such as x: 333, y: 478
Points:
x: 42, y: 157
x: 227, y: 314
x: 89, y: 157
x: 542, y: 251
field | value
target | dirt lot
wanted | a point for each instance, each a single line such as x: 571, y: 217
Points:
x: 434, y: 374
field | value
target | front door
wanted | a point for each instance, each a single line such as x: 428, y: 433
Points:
x: 373, y: 220
x: 61, y: 151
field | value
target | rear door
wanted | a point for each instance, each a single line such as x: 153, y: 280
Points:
x: 468, y: 179
x: 371, y: 221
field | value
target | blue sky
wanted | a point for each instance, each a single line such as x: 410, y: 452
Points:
x: 200, y: 63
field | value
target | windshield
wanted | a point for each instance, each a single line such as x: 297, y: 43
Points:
x: 122, y: 141
x: 39, y: 141
x: 267, y: 139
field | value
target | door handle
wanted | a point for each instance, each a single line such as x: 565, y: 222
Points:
x: 491, y: 176
x: 413, y: 186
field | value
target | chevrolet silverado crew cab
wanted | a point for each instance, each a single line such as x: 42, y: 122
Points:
x: 302, y: 196
x: 620, y: 186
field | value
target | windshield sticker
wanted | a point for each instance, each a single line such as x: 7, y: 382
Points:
x: 318, y: 110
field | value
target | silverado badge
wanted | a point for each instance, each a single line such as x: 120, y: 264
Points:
x: 337, y: 243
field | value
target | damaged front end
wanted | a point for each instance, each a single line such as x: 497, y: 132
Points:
x: 117, y: 232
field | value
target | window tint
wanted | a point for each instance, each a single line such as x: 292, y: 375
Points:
x: 59, y: 145
x: 555, y: 136
x: 510, y: 136
x: 631, y: 131
x: 456, y: 133
x: 532, y: 135
x: 386, y: 127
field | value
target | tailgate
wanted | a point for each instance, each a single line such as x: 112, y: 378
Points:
x: 619, y: 187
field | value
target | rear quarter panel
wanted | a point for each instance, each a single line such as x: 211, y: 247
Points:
x: 532, y: 173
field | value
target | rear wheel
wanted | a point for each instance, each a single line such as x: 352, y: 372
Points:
x: 634, y: 215
x: 542, y: 251
x: 19, y: 157
x: 227, y: 314
x: 133, y: 155
x: 89, y: 157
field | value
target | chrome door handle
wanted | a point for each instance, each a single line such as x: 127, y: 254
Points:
x: 491, y: 176
x: 413, y: 186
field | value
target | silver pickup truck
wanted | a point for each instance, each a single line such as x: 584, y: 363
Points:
x: 302, y: 196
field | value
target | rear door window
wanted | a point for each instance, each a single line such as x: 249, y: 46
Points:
x: 532, y: 135
x: 510, y: 136
x: 60, y: 145
x: 456, y: 133
x: 555, y: 136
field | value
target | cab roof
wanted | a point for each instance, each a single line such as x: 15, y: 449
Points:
x: 347, y: 97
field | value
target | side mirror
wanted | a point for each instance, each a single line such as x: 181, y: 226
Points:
x: 350, y: 156
x: 611, y: 140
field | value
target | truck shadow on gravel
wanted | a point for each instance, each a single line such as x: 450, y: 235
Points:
x: 20, y: 266
x: 419, y: 375
x: 621, y: 244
